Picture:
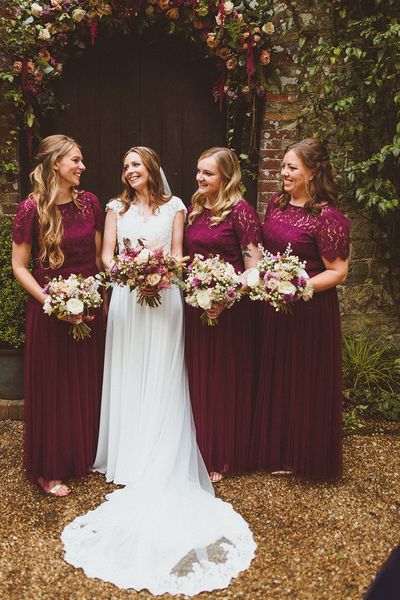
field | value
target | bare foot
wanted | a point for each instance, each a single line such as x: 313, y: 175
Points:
x: 215, y: 477
x: 54, y: 487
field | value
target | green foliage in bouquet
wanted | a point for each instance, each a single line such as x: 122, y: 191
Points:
x: 12, y: 295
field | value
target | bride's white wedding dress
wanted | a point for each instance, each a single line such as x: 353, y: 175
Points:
x: 165, y: 531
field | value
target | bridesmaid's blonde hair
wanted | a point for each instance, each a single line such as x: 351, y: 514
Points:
x: 155, y: 183
x: 230, y: 190
x: 44, y: 179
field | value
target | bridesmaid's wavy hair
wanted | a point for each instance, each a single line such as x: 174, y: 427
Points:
x: 231, y: 188
x: 320, y: 188
x: 155, y: 184
x: 45, y: 187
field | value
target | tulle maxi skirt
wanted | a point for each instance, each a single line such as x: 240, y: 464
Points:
x: 62, y: 389
x: 298, y: 418
x: 221, y: 370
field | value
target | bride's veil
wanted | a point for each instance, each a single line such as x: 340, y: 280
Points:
x: 167, y: 189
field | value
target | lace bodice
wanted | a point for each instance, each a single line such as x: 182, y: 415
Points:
x: 80, y: 224
x: 241, y: 227
x: 155, y: 231
x: 311, y: 238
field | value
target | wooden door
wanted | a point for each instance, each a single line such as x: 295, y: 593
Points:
x: 131, y: 90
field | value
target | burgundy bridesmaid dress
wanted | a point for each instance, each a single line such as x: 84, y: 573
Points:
x: 220, y: 359
x: 298, y: 417
x: 62, y: 376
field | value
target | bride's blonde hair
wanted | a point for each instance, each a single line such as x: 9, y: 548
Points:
x: 230, y: 190
x: 44, y: 179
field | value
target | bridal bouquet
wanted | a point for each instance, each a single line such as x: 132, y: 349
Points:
x: 73, y: 297
x: 209, y: 282
x: 145, y: 270
x: 279, y: 279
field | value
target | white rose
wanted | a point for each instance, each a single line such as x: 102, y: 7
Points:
x: 252, y: 277
x: 78, y: 14
x: 153, y: 279
x: 268, y: 28
x: 143, y: 256
x: 36, y: 9
x: 229, y: 270
x: 204, y: 299
x: 285, y: 287
x: 302, y: 273
x: 44, y: 34
x: 228, y: 7
x: 74, y: 306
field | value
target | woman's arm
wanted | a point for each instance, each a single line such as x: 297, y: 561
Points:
x: 109, y: 241
x: 251, y: 255
x: 335, y: 274
x: 20, y: 259
x: 177, y: 234
x: 99, y: 243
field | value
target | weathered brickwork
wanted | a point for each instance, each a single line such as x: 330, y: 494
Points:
x: 9, y: 193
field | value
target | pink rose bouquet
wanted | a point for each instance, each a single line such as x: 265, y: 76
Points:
x: 73, y: 297
x: 279, y: 279
x: 209, y: 282
x: 145, y: 270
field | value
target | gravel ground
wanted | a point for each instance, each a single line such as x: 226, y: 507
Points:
x: 314, y: 541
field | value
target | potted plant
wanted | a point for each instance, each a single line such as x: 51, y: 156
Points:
x: 12, y: 321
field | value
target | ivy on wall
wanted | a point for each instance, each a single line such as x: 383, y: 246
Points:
x: 351, y: 89
x: 39, y: 37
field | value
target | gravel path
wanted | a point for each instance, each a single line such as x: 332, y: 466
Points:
x: 315, y: 542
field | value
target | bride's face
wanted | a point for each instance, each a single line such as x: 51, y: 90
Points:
x: 136, y: 174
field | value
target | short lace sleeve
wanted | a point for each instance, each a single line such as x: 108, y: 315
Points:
x: 97, y: 211
x: 115, y: 205
x: 247, y: 224
x: 25, y: 222
x: 176, y: 205
x: 333, y: 234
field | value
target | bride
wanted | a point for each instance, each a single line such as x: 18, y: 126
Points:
x: 164, y: 531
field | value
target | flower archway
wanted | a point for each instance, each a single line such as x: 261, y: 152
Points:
x: 40, y: 37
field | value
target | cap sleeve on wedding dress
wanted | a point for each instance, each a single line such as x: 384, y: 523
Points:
x: 176, y: 205
x: 115, y: 205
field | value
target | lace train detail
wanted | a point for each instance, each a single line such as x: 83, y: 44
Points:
x: 185, y: 544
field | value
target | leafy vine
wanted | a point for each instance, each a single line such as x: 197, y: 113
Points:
x: 39, y: 37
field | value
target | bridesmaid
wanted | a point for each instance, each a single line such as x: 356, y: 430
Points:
x: 60, y: 229
x: 220, y: 359
x: 298, y: 418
